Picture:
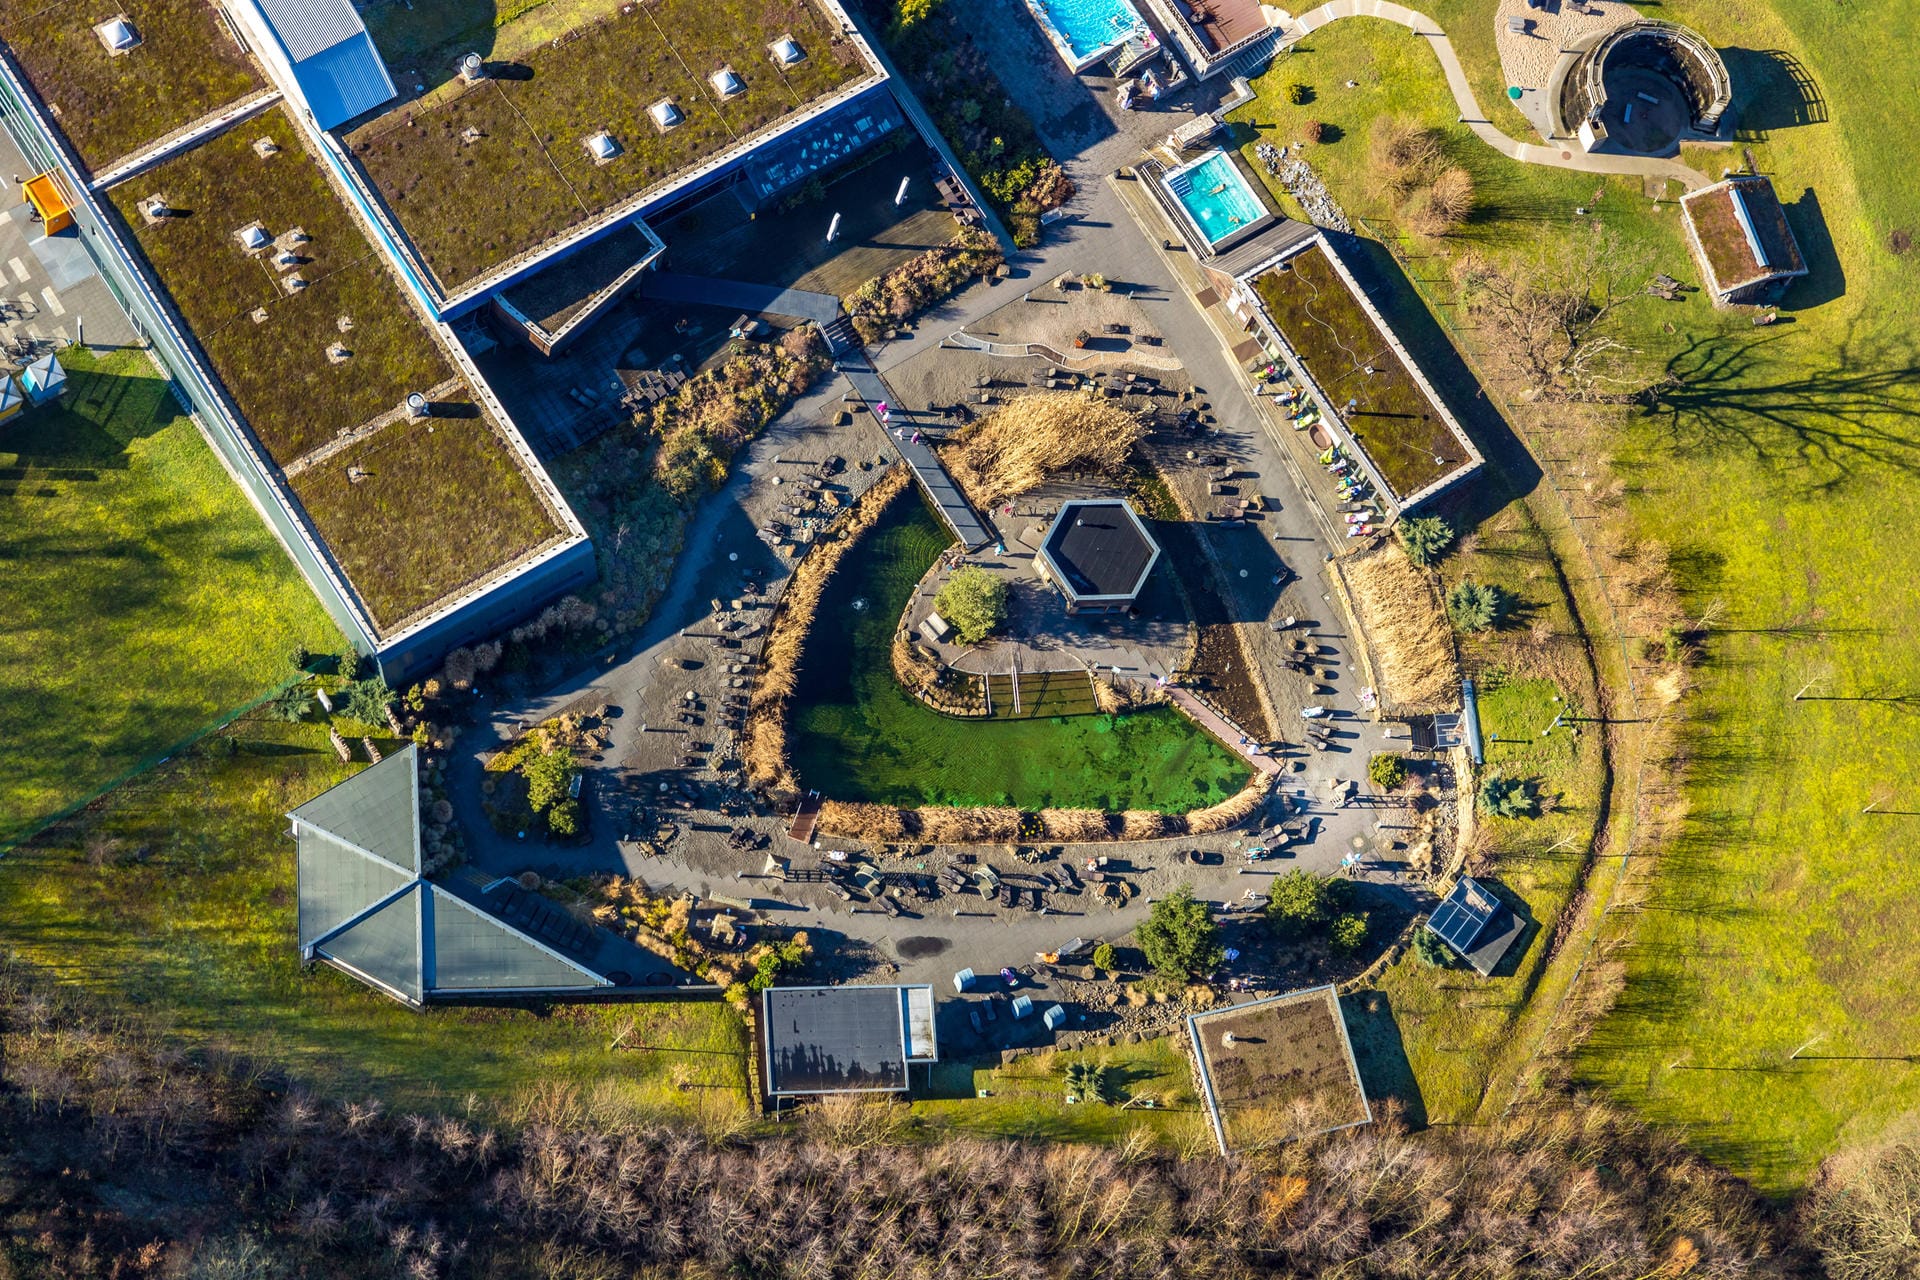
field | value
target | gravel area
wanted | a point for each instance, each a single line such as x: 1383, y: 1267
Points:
x: 1527, y: 59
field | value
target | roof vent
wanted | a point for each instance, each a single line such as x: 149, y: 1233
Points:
x: 603, y: 147
x: 118, y: 34
x: 265, y: 148
x: 338, y: 353
x: 787, y: 51
x: 286, y: 259
x: 295, y: 282
x: 417, y: 407
x: 471, y: 68
x: 665, y: 114
x: 253, y: 237
x: 154, y: 209
x: 726, y: 83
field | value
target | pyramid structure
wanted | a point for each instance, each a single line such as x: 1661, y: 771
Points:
x: 365, y: 908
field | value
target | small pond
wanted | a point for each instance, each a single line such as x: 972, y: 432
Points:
x: 858, y: 736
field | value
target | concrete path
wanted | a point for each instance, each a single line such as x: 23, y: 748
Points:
x: 1219, y: 728
x: 669, y: 286
x: 933, y: 477
x: 1570, y: 157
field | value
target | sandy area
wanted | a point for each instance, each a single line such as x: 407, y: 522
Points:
x: 1527, y: 60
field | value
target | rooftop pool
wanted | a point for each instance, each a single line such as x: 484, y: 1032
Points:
x: 1217, y: 199
x: 1085, y: 31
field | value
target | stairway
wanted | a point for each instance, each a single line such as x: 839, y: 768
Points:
x: 840, y: 335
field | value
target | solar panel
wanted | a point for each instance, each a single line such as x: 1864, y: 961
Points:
x: 1461, y: 918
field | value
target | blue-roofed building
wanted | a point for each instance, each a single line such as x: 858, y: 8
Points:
x: 320, y: 54
x: 1476, y: 924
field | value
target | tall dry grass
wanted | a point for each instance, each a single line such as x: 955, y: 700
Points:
x: 1035, y: 439
x: 1408, y: 635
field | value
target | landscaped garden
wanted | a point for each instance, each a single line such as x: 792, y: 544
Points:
x: 278, y: 369
x: 173, y: 905
x: 477, y: 174
x: 1366, y: 383
x: 185, y: 66
x: 1141, y: 1089
x: 143, y: 597
x: 858, y: 736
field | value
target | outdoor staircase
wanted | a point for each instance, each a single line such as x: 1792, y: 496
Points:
x: 840, y: 335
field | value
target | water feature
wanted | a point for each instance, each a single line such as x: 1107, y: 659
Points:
x: 1217, y: 198
x: 858, y: 736
x: 1084, y: 31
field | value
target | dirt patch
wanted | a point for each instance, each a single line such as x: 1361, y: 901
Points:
x: 1221, y: 672
x: 1407, y: 630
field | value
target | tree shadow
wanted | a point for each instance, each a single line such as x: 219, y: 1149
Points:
x: 1858, y: 409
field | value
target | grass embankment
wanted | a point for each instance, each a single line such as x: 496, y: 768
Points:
x: 186, y: 66
x: 442, y: 162
x: 174, y: 903
x: 142, y: 595
x: 1776, y: 465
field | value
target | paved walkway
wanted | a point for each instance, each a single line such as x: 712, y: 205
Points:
x: 1470, y: 113
x: 1220, y: 729
x: 933, y: 477
x: 669, y: 286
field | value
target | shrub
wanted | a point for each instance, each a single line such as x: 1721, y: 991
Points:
x: 1301, y: 902
x: 1430, y: 951
x: 974, y: 602
x: 1298, y: 94
x: 1424, y: 538
x: 548, y: 775
x: 1387, y: 771
x: 1509, y: 797
x: 367, y: 701
x: 292, y: 704
x: 300, y: 657
x: 348, y: 664
x: 1313, y: 131
x: 1179, y: 936
x: 1475, y: 606
x: 563, y: 819
x: 1348, y: 932
x: 1088, y: 1081
x: 1104, y: 958
x: 1453, y: 195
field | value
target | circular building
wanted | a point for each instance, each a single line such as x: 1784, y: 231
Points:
x: 1640, y: 87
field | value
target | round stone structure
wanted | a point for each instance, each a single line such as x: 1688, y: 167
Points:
x: 1641, y: 86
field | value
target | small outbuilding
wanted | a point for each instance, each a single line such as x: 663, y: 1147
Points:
x: 43, y: 380
x: 1476, y: 925
x: 11, y: 399
x: 1097, y: 554
x: 1738, y: 232
x: 821, y: 1040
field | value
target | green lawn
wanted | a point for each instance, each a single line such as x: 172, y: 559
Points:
x: 140, y: 595
x: 1027, y: 1098
x: 1780, y: 469
x: 186, y: 66
x: 175, y: 902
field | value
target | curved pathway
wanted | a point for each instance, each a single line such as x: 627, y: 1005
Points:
x: 1470, y: 113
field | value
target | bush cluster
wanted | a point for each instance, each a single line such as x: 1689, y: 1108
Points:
x: 921, y: 282
x: 1409, y: 163
x: 1303, y: 906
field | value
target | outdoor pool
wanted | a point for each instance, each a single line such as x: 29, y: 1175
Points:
x: 858, y: 736
x: 1217, y: 199
x: 1084, y: 31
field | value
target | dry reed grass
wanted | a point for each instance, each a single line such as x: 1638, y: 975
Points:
x: 1037, y: 438
x: 763, y: 746
x: 1407, y: 630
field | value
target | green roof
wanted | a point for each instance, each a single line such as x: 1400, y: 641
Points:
x: 365, y: 908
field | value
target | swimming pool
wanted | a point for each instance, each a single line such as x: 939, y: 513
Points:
x: 1085, y: 31
x: 1218, y: 202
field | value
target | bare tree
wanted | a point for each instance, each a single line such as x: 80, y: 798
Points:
x: 1864, y: 1214
x: 1551, y: 321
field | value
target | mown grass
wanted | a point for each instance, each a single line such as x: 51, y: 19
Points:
x: 1027, y: 1098
x: 141, y: 596
x: 1778, y: 466
x: 174, y: 903
x: 278, y: 371
x: 532, y: 118
x: 186, y: 66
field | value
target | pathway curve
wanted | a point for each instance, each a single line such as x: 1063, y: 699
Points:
x: 1470, y: 113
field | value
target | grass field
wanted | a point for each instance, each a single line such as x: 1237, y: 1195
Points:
x: 1027, y: 1098
x: 141, y: 594
x: 175, y: 903
x: 1779, y: 465
x: 186, y: 66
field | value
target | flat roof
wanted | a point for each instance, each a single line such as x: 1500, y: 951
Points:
x: 1221, y: 24
x: 1277, y: 1069
x: 1101, y: 550
x: 1742, y: 231
x: 478, y: 175
x: 1364, y: 377
x: 845, y: 1039
x: 413, y: 511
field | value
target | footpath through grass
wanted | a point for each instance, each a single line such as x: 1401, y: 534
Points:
x: 175, y: 903
x: 140, y: 595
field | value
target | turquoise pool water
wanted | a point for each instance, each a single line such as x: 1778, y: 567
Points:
x: 1082, y: 30
x: 1216, y: 197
